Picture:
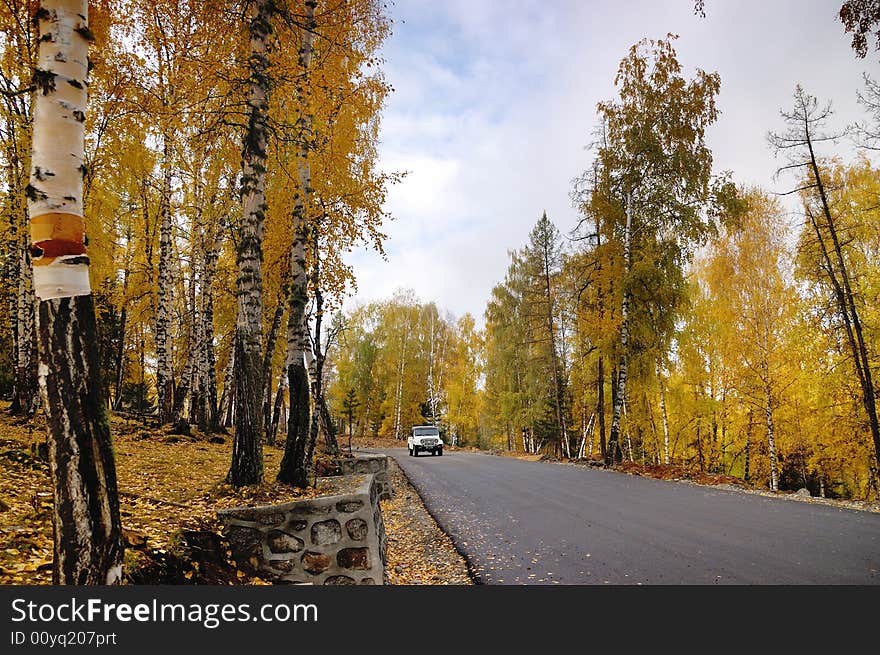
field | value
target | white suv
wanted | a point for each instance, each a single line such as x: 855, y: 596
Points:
x: 424, y: 438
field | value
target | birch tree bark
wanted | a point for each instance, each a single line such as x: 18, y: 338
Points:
x: 247, y: 450
x: 267, y: 363
x: 771, y: 434
x: 620, y: 396
x: 398, y: 396
x: 209, y: 382
x: 164, y: 373
x: 19, y: 276
x: 298, y: 422
x: 665, y: 417
x: 26, y: 398
x: 87, y: 528
x: 276, y: 411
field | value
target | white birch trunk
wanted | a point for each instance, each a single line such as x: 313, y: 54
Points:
x: 665, y: 414
x: 771, y: 440
x: 164, y: 373
x: 399, y: 395
x: 293, y: 465
x: 209, y: 382
x: 247, y: 452
x: 432, y: 400
x: 87, y: 527
x: 620, y: 398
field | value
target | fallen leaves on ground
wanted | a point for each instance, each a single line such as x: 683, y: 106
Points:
x: 419, y: 552
x: 25, y: 507
x: 167, y: 483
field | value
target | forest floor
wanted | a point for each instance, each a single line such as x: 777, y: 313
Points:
x: 170, y: 487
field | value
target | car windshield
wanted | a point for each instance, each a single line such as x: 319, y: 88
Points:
x: 425, y: 432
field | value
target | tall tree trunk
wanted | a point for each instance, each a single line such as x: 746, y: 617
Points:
x: 225, y: 405
x: 276, y: 412
x: 665, y: 414
x: 655, y: 438
x: 18, y: 276
x: 26, y: 370
x: 267, y: 364
x: 398, y: 400
x: 209, y: 383
x: 87, y: 527
x: 247, y: 449
x: 321, y: 414
x: 188, y: 381
x: 298, y: 422
x: 771, y: 437
x: 600, y: 406
x: 620, y: 396
x: 25, y: 398
x: 119, y: 359
x: 164, y: 373
x: 748, y: 447
x: 432, y: 401
x: 197, y: 406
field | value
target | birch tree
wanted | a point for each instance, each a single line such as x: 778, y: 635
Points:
x: 294, y: 464
x: 247, y: 457
x: 87, y: 534
x: 656, y: 177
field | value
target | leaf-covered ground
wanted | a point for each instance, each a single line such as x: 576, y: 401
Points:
x: 171, y: 483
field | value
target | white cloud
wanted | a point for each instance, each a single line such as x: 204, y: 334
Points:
x: 495, y: 101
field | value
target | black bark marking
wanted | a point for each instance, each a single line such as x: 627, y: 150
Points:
x: 79, y: 259
x: 44, y: 81
x: 34, y: 194
x: 85, y: 33
x: 75, y: 83
x: 41, y: 14
x: 80, y: 116
x: 42, y: 174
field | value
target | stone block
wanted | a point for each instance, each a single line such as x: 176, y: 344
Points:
x: 281, y: 542
x: 357, y: 529
x: 326, y: 533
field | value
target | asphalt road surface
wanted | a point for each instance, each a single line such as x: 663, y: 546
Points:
x: 521, y: 522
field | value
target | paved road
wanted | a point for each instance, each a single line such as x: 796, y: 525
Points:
x: 522, y: 522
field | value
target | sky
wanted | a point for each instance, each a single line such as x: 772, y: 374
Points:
x: 494, y: 104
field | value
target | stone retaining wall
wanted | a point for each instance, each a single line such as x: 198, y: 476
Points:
x: 337, y: 538
x: 368, y: 463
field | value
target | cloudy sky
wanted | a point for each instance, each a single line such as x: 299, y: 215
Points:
x: 495, y: 101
